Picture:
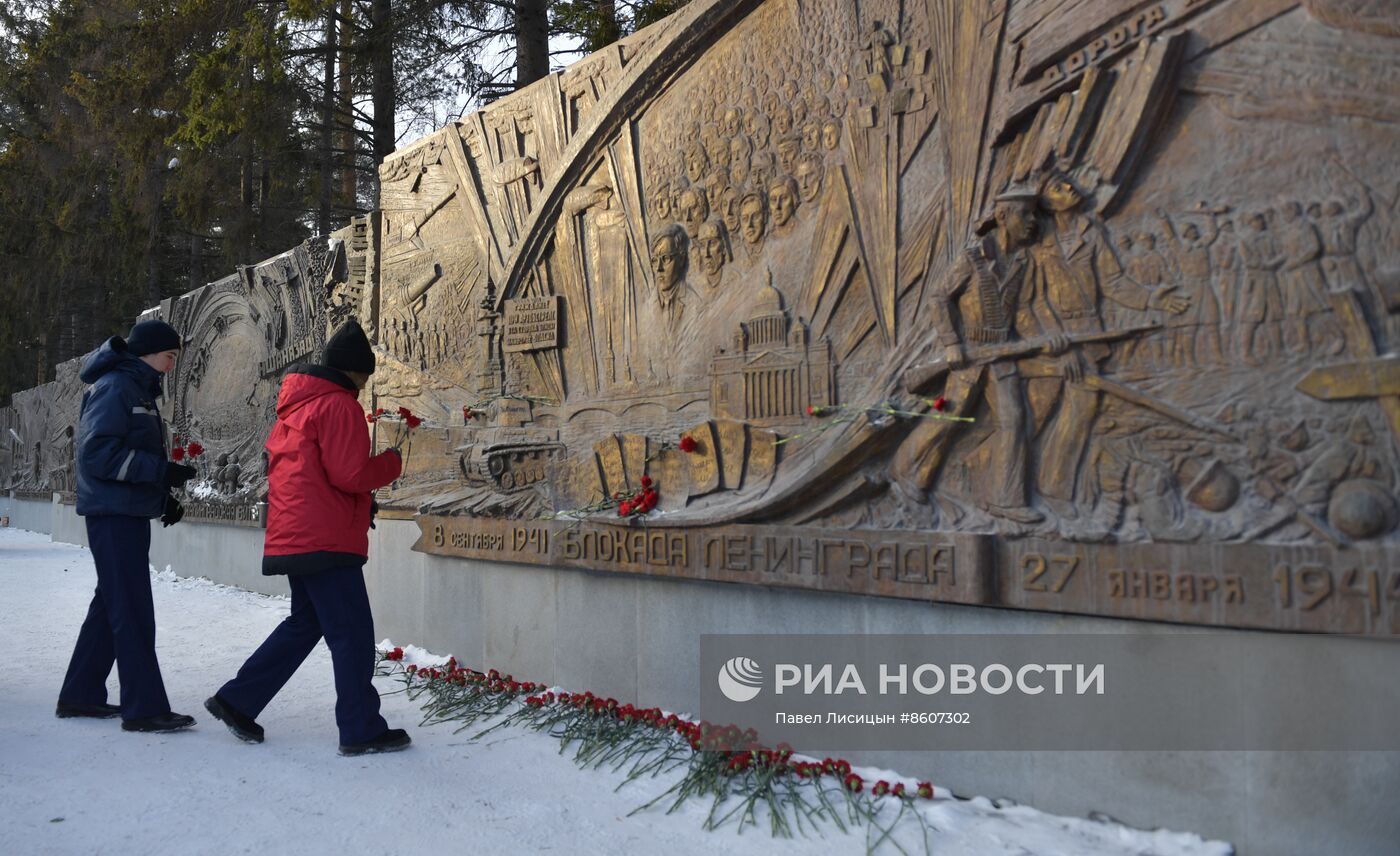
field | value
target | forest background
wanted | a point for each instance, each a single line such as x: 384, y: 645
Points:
x: 150, y: 146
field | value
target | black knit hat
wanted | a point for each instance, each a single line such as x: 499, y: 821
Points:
x: 348, y: 349
x: 152, y: 337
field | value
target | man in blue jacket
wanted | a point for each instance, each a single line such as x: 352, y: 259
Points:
x: 124, y: 480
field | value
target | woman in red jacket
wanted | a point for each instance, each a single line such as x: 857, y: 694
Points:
x: 320, y: 477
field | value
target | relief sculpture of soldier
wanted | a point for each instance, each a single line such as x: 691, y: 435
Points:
x: 977, y: 306
x: 1261, y: 301
x: 1194, y: 334
x: 1073, y: 267
x: 1338, y: 226
x: 1146, y: 266
x: 1309, y: 317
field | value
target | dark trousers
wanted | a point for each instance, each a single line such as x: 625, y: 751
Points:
x: 120, y: 624
x: 334, y: 604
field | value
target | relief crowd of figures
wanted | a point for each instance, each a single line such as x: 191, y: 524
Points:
x: 1283, y: 277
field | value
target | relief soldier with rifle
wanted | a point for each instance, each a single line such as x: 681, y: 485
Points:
x: 983, y: 292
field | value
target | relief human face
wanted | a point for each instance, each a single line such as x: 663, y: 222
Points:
x: 782, y: 121
x: 809, y: 179
x: 1060, y: 195
x: 729, y: 209
x: 696, y: 162
x: 732, y: 122
x: 693, y: 209
x: 661, y: 204
x: 756, y: 126
x: 782, y: 201
x: 711, y: 247
x: 788, y: 152
x: 666, y: 263
x: 753, y: 219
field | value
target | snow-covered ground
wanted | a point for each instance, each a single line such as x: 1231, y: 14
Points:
x: 85, y: 786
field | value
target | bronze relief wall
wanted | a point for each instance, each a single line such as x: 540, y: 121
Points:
x: 1041, y: 304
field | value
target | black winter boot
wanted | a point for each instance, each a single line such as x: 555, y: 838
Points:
x: 243, y: 727
x: 162, y: 722
x: 68, y: 710
x: 393, y: 740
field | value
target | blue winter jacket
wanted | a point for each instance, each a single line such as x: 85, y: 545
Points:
x: 121, y: 451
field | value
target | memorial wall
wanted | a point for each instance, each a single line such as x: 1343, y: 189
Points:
x: 1080, y: 307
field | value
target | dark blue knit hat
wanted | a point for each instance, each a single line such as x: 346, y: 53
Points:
x: 152, y: 337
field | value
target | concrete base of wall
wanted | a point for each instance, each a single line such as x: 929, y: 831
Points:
x: 66, y: 526
x: 32, y: 514
x: 225, y: 554
x: 637, y: 639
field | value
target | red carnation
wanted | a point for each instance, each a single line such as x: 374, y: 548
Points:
x: 396, y: 654
x: 853, y: 783
x: 940, y: 404
x: 926, y: 790
x: 466, y: 413
x: 688, y: 444
x: 413, y: 421
x: 625, y: 508
x: 177, y: 454
x: 898, y: 789
x: 646, y: 481
x: 881, y: 788
x: 369, y: 417
x: 195, y: 450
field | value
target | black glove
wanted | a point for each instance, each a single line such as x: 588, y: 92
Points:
x: 177, y: 474
x: 373, y: 510
x: 172, y: 512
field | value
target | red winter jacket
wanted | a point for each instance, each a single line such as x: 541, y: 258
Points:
x: 320, y: 475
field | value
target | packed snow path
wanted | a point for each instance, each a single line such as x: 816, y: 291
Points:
x: 85, y: 786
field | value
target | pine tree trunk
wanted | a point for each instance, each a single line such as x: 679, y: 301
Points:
x: 153, y: 239
x: 243, y: 235
x: 382, y: 92
x: 323, y: 213
x: 531, y: 41
x: 346, y: 143
x: 196, y: 261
